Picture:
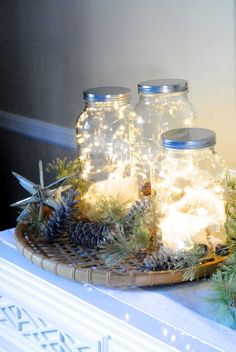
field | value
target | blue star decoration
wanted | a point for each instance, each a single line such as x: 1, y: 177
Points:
x: 40, y: 195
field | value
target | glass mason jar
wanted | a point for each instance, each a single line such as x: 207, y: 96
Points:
x: 102, y: 131
x: 163, y: 105
x: 189, y: 190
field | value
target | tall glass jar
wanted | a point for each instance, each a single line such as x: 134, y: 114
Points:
x: 163, y: 105
x: 103, y: 142
x: 189, y: 186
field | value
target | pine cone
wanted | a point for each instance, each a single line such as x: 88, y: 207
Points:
x: 58, y: 223
x: 88, y: 234
x: 164, y: 259
x: 140, y: 207
x: 62, y: 217
x: 71, y: 203
x: 222, y: 250
x: 146, y: 189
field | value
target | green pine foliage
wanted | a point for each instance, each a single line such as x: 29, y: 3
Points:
x: 34, y: 225
x: 231, y: 209
x: 192, y: 259
x: 123, y: 239
x: 223, y: 284
x: 223, y: 281
x: 230, y: 227
x: 116, y: 248
x: 110, y: 211
x: 139, y: 234
x: 73, y: 168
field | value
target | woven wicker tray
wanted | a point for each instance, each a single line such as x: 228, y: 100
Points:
x: 66, y: 259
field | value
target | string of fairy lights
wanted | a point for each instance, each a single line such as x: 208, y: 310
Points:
x: 120, y: 151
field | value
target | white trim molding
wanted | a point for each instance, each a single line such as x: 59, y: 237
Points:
x: 59, y: 314
x: 37, y: 129
x: 47, y: 310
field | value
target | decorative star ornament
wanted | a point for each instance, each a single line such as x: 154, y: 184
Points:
x: 40, y: 195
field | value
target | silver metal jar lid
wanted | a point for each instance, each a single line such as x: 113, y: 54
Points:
x: 163, y: 86
x: 107, y: 94
x: 188, y: 138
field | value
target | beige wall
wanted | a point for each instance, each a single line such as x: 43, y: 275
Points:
x: 52, y: 49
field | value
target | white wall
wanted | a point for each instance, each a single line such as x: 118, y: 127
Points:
x: 53, y: 49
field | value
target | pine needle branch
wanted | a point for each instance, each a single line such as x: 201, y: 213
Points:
x: 110, y: 211
x: 223, y: 284
x: 129, y: 232
x: 116, y: 247
x: 191, y: 260
x: 72, y: 168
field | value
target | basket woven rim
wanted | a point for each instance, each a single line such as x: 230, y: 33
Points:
x: 108, y: 278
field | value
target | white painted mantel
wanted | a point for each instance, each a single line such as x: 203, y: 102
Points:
x: 40, y: 311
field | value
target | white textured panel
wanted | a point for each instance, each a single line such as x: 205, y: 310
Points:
x: 65, y: 311
x: 11, y: 336
x: 42, y: 335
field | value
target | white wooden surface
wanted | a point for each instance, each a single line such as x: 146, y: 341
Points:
x: 50, y: 313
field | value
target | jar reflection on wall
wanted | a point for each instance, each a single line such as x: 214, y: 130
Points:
x: 189, y: 183
x: 163, y: 105
x: 102, y: 131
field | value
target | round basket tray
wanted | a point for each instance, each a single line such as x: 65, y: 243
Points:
x: 64, y: 258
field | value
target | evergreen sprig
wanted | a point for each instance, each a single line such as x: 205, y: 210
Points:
x: 139, y: 234
x: 118, y: 247
x: 231, y: 208
x: 35, y: 226
x: 126, y: 237
x: 230, y: 226
x: 73, y: 168
x: 223, y: 284
x: 223, y: 281
x: 191, y: 260
x: 110, y: 210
